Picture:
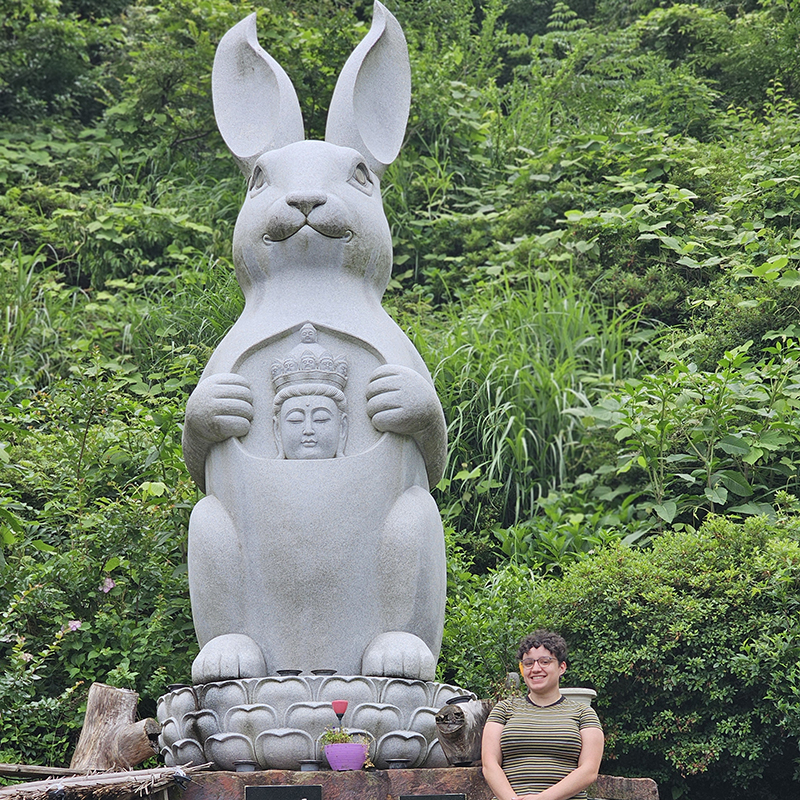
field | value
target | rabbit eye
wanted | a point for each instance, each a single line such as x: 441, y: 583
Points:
x: 257, y: 179
x: 361, y: 174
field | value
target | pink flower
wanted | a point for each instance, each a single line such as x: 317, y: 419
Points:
x: 26, y: 657
x: 74, y: 624
x: 108, y: 585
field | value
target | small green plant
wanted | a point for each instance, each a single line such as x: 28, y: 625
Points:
x: 341, y: 736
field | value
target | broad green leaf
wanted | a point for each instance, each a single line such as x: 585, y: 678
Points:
x: 756, y: 509
x: 753, y: 456
x: 666, y: 510
x: 719, y: 495
x: 734, y: 445
x: 12, y: 520
x: 736, y: 483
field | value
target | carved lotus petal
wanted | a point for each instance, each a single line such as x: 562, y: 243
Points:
x: 284, y: 748
x: 405, y: 694
x: 225, y: 748
x: 280, y: 693
x: 436, y: 757
x: 169, y: 759
x: 442, y: 693
x: 400, y: 744
x: 177, y: 703
x: 170, y: 732
x: 379, y: 718
x: 311, y: 717
x: 199, y: 725
x: 250, y: 720
x: 187, y: 750
x: 221, y: 696
x: 355, y: 689
x: 423, y: 720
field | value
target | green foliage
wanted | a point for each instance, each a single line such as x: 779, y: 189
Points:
x: 692, y: 645
x: 573, y: 177
x: 510, y: 363
x: 49, y: 60
x: 340, y: 736
x: 708, y: 441
x: 572, y: 525
x: 482, y: 623
x: 96, y: 503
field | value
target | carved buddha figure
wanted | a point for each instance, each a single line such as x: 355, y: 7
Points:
x: 310, y: 408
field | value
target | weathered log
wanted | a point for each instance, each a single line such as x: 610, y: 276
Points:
x: 112, y: 785
x: 111, y: 737
x: 459, y: 727
x: 33, y: 771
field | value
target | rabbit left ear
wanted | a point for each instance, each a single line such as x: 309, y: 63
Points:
x: 370, y: 104
x: 254, y: 101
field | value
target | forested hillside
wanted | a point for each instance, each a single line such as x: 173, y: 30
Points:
x: 596, y: 221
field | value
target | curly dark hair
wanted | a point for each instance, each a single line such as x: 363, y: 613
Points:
x: 547, y: 639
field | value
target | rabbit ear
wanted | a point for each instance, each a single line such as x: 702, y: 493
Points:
x: 370, y: 104
x: 254, y: 101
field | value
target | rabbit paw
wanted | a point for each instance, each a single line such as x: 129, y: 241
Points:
x: 400, y: 400
x: 228, y: 657
x: 399, y: 654
x: 221, y: 407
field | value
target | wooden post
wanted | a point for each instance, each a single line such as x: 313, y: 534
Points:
x: 111, y: 738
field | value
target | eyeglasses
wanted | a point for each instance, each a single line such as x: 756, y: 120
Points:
x: 542, y: 661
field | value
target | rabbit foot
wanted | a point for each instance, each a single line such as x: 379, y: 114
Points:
x: 400, y: 655
x: 228, y: 657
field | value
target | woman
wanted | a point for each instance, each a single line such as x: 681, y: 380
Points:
x: 544, y: 744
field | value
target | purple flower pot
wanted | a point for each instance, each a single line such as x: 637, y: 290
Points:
x: 347, y: 755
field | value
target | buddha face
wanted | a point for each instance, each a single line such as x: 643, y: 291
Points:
x: 311, y: 427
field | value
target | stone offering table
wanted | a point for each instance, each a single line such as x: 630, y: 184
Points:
x: 388, y: 784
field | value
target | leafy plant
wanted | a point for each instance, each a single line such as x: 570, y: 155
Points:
x: 341, y: 736
x: 707, y: 441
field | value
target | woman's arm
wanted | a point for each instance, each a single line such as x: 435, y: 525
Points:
x: 492, y: 761
x: 584, y: 774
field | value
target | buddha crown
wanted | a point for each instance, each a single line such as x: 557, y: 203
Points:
x: 309, y: 362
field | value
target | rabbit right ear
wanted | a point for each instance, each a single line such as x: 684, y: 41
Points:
x: 370, y: 103
x: 255, y: 103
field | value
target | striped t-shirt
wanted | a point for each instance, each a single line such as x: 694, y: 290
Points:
x: 541, y: 745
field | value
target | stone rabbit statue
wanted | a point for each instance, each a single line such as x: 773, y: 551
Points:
x: 315, y: 430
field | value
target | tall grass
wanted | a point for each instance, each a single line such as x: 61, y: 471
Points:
x: 33, y: 305
x: 506, y: 366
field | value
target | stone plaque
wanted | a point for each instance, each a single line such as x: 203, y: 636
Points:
x: 432, y: 797
x: 279, y: 792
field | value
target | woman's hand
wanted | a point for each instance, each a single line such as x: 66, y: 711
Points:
x: 585, y: 774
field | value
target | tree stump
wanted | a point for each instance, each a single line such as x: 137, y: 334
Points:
x: 111, y: 738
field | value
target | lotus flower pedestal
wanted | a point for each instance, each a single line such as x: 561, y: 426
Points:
x: 277, y: 722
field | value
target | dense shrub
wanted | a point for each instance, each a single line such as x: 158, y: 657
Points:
x: 691, y: 644
x: 94, y: 504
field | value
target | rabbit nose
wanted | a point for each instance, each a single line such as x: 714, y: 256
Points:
x: 306, y: 202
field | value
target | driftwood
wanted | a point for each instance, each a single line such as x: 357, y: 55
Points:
x: 111, y: 737
x: 34, y: 771
x: 116, y: 785
x: 459, y: 727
